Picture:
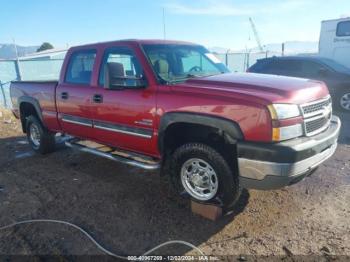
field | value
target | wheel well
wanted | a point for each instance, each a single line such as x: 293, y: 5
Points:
x: 26, y: 109
x: 178, y: 134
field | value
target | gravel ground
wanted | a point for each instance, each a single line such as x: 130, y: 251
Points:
x: 131, y: 211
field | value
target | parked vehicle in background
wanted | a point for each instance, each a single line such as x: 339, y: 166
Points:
x: 335, y: 75
x: 173, y: 105
x: 335, y: 40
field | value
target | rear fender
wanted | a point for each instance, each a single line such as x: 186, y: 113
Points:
x: 32, y: 101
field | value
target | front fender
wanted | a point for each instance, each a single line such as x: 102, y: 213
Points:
x: 231, y: 128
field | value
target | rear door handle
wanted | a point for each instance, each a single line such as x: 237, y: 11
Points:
x: 64, y: 95
x: 97, y: 98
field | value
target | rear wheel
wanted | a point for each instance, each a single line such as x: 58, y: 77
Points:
x: 201, y: 172
x: 40, y: 139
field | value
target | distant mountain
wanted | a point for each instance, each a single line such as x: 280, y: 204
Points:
x: 291, y: 47
x: 7, y: 51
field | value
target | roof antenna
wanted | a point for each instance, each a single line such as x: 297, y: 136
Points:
x: 164, y: 32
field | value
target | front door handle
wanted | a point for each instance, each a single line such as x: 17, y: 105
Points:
x: 97, y: 98
x: 64, y: 95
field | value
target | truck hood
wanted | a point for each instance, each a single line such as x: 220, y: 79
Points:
x: 269, y: 88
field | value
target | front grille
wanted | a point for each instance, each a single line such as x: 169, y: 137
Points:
x: 315, y: 125
x: 315, y: 107
x: 317, y: 116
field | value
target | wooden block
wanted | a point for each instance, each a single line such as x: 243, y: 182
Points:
x: 207, y: 211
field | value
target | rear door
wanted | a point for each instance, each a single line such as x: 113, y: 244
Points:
x: 124, y: 117
x: 74, y: 95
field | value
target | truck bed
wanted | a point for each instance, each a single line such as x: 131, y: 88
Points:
x: 42, y: 92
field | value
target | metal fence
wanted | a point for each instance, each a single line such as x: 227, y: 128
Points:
x: 49, y: 69
x: 240, y: 62
x: 10, y: 70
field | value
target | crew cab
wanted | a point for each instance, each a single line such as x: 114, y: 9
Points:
x: 175, y: 107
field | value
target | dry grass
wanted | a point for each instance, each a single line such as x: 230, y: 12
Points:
x: 9, y: 125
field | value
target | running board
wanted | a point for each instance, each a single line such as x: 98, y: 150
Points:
x: 125, y: 157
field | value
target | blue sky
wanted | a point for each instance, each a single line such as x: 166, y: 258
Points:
x: 221, y: 23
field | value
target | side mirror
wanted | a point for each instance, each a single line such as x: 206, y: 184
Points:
x: 323, y: 72
x: 115, y: 78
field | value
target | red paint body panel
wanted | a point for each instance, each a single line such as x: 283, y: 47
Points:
x: 241, y: 98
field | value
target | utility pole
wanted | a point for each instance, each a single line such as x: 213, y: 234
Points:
x: 164, y: 30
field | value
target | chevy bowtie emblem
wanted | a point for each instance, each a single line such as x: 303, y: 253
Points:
x: 326, y: 111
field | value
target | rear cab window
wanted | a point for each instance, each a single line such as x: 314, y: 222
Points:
x: 80, y: 66
x: 343, y: 29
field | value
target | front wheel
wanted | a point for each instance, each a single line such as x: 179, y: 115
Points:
x: 204, y: 174
x: 344, y: 100
x: 40, y: 139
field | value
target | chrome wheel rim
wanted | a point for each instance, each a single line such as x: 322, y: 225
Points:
x: 199, y: 179
x: 34, y: 135
x: 345, y: 101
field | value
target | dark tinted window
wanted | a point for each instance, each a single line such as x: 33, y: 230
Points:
x: 284, y: 65
x: 335, y: 65
x: 259, y: 66
x: 311, y: 68
x: 80, y: 67
x: 127, y: 62
x: 343, y: 28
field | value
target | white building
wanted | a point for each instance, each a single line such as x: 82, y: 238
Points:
x: 335, y: 40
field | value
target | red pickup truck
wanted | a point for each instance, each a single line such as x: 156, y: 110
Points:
x: 174, y: 106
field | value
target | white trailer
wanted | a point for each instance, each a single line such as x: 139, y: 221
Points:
x: 335, y: 40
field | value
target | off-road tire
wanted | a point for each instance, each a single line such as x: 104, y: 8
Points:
x: 47, y: 139
x: 229, y: 189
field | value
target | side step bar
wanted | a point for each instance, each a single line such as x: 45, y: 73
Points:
x: 114, y: 155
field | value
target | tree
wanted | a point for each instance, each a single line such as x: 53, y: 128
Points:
x: 45, y: 46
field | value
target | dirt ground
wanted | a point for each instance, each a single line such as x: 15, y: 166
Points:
x: 130, y: 211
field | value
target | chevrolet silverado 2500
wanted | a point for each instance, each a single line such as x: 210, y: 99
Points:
x: 174, y: 106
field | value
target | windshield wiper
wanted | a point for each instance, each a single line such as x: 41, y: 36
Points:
x: 189, y: 76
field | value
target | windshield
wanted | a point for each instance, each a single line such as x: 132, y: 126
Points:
x: 177, y: 63
x: 336, y: 66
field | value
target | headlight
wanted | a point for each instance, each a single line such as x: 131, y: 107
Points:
x: 286, y: 132
x: 279, y: 113
x: 283, y: 111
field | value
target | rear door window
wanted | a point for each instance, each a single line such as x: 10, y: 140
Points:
x: 80, y: 67
x: 343, y: 28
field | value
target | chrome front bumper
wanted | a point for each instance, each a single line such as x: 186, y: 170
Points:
x: 262, y: 174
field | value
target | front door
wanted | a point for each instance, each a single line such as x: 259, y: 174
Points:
x: 124, y: 116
